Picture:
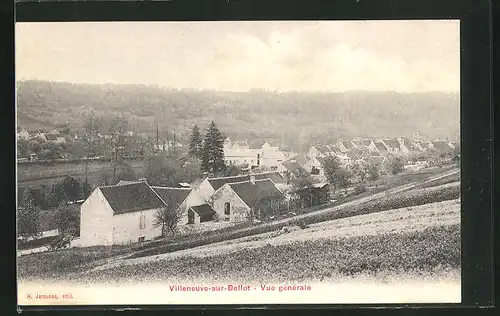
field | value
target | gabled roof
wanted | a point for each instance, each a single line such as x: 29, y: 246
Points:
x: 294, y: 168
x: 52, y: 136
x: 358, y: 143
x: 348, y: 145
x: 367, y: 142
x: 301, y: 159
x: 392, y: 143
x: 203, y: 210
x: 134, y: 197
x: 442, y: 145
x: 253, y: 193
x: 276, y: 177
x: 334, y: 149
x: 323, y: 149
x: 124, y: 182
x: 380, y: 146
x: 217, y: 183
x: 173, y: 197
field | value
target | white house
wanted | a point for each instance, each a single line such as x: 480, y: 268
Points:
x: 120, y: 214
x: 208, y: 186
x: 242, y: 201
x: 240, y: 153
x: 181, y: 199
x: 23, y: 134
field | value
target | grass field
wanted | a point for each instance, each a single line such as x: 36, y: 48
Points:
x: 418, y: 240
x: 74, y: 260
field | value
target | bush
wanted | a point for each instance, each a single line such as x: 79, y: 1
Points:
x: 360, y: 189
x: 406, y: 199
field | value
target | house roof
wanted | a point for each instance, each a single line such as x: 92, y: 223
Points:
x: 276, y: 177
x: 358, y: 143
x: 392, y: 143
x: 380, y: 146
x: 173, y: 196
x: 203, y: 210
x: 252, y: 193
x: 301, y: 159
x: 334, y: 149
x: 441, y: 145
x: 133, y: 197
x: 294, y: 168
x: 217, y: 183
x: 378, y: 159
x: 366, y: 142
x: 348, y: 145
x: 125, y: 182
x: 52, y: 136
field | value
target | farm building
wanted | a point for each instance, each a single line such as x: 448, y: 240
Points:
x: 126, y: 212
x: 120, y: 214
x: 200, y: 213
x: 180, y: 199
x: 443, y: 146
x: 208, y: 186
x: 55, y: 138
x: 318, y: 194
x: 242, y: 201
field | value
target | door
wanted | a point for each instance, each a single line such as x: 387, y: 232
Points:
x: 190, y: 217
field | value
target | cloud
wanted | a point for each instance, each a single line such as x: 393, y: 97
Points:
x: 239, y: 56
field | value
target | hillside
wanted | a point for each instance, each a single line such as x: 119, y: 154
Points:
x: 257, y: 114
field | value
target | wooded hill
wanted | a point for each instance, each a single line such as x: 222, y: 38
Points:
x: 296, y: 117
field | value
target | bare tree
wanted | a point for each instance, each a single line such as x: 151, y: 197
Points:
x: 169, y: 216
x: 118, y: 130
x: 91, y: 128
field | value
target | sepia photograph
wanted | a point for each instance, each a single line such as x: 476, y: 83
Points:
x: 238, y: 162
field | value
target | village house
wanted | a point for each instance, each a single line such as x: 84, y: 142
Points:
x: 54, y: 138
x: 443, y: 146
x: 316, y: 195
x: 209, y: 185
x: 247, y: 200
x: 120, y: 214
x: 291, y: 170
x: 180, y: 199
x: 241, y: 153
x: 396, y: 146
x: 381, y: 147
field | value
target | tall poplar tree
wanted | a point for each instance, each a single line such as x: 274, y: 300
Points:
x: 196, y: 143
x: 213, y: 151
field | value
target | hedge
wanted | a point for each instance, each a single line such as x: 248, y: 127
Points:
x: 406, y: 199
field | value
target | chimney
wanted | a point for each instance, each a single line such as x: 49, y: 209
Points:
x: 252, y: 179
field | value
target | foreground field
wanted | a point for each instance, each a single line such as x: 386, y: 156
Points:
x: 62, y: 263
x: 419, y: 241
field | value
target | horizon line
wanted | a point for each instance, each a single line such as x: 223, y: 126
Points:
x: 252, y: 90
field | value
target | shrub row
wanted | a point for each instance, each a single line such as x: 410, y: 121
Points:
x: 406, y: 199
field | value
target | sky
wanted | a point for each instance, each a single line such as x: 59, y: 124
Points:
x: 327, y: 56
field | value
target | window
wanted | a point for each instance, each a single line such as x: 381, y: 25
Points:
x: 142, y: 221
x: 227, y: 208
x: 141, y: 239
